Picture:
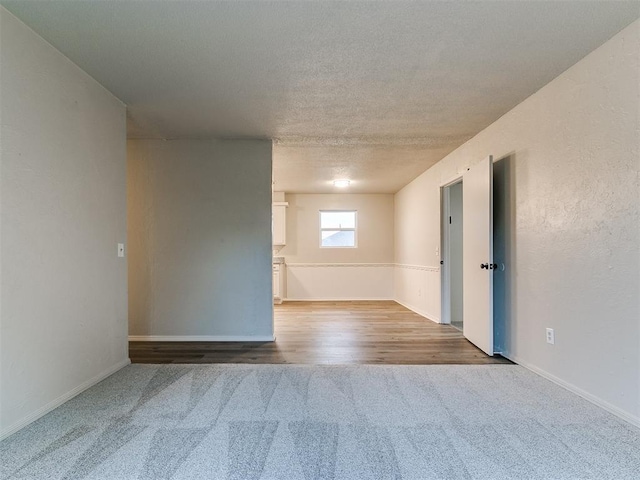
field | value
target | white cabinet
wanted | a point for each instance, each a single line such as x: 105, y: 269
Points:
x: 279, y: 226
x: 278, y: 282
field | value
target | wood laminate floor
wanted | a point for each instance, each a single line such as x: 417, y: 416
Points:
x: 331, y: 333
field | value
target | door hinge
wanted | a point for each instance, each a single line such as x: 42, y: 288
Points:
x: 449, y: 220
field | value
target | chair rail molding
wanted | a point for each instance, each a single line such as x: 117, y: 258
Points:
x: 319, y: 265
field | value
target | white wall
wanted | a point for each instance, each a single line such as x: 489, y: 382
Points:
x: 199, y: 224
x: 63, y: 288
x: 417, y: 248
x: 574, y: 150
x: 362, y: 273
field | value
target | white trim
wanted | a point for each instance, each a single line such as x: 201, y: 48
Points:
x: 627, y: 417
x: 202, y: 338
x: 280, y: 204
x: 424, y: 268
x: 340, y: 300
x: 62, y: 399
x: 453, y: 180
x: 315, y: 265
x: 445, y: 254
x: 418, y: 311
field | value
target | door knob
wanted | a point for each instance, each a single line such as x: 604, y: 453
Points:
x: 489, y: 266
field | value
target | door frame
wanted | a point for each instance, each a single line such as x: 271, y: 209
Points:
x: 445, y: 257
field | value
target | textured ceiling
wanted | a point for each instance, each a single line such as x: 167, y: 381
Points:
x: 373, y: 166
x: 377, y: 91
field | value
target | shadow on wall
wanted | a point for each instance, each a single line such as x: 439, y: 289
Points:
x: 503, y: 250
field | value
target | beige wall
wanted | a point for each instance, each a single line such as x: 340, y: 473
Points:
x: 375, y: 228
x: 362, y: 273
x: 63, y: 290
x: 574, y: 150
x: 199, y: 224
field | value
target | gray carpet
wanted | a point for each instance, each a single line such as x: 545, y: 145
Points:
x: 324, y: 422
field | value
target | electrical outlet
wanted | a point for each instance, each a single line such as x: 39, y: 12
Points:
x: 121, y: 249
x: 551, y: 337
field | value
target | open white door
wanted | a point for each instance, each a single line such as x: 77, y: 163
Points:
x: 477, y: 231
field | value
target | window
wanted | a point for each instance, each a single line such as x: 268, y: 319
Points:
x: 338, y: 229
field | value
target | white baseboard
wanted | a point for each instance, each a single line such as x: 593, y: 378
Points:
x: 418, y: 311
x: 62, y: 399
x: 627, y: 417
x: 201, y: 338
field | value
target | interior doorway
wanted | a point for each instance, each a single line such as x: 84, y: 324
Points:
x: 452, y: 243
x: 476, y: 237
x: 503, y: 252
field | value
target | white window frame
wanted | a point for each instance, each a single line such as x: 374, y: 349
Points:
x: 337, y: 229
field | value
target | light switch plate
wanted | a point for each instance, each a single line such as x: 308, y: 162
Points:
x: 121, y: 250
x: 551, y: 336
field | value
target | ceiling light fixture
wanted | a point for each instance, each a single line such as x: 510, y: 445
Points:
x: 341, y: 183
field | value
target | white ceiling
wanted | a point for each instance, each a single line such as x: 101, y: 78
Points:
x: 374, y: 91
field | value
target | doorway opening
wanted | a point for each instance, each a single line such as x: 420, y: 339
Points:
x: 476, y: 230
x: 452, y: 243
x: 503, y: 253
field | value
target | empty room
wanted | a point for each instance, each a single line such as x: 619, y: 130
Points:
x: 319, y: 239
